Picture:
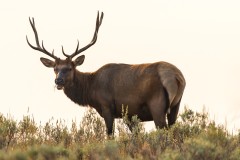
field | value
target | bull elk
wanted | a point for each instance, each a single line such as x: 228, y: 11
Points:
x: 151, y: 91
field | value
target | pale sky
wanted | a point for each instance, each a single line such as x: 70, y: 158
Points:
x: 202, y: 38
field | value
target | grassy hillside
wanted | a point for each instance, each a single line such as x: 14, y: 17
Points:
x: 194, y: 136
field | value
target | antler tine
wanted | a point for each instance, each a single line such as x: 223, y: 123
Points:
x: 69, y: 56
x: 93, y: 41
x: 77, y: 46
x: 65, y: 53
x: 39, y: 47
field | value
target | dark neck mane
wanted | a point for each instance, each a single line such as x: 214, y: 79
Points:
x: 79, y: 90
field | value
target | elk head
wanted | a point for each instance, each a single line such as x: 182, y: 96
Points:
x: 63, y: 68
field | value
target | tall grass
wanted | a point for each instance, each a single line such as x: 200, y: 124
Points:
x: 194, y: 136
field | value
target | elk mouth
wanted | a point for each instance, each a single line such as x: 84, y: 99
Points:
x: 59, y: 87
x: 59, y: 83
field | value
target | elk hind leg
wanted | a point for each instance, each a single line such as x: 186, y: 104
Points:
x: 158, y: 106
x: 172, y: 116
x: 174, y: 105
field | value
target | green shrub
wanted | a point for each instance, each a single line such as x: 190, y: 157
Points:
x: 193, y: 136
x: 8, y: 130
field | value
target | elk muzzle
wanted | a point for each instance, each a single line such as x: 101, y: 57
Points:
x: 59, y: 81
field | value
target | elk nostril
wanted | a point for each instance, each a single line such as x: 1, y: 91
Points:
x: 59, y: 81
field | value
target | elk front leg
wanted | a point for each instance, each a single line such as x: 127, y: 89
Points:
x: 108, y: 118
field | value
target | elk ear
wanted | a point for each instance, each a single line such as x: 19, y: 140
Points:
x: 79, y: 60
x: 47, y: 62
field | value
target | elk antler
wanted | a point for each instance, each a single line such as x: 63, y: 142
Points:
x: 94, y: 39
x: 38, y: 47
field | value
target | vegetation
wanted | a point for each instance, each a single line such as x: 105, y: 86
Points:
x: 194, y: 136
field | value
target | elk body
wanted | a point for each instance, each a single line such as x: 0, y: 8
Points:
x: 151, y: 91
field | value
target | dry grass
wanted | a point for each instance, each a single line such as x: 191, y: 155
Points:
x: 194, y: 136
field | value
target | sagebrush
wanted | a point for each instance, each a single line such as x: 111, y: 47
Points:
x: 194, y: 136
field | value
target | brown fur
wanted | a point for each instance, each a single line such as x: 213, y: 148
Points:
x: 151, y: 91
x: 144, y: 88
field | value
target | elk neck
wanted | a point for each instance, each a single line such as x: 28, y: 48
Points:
x: 80, y: 89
